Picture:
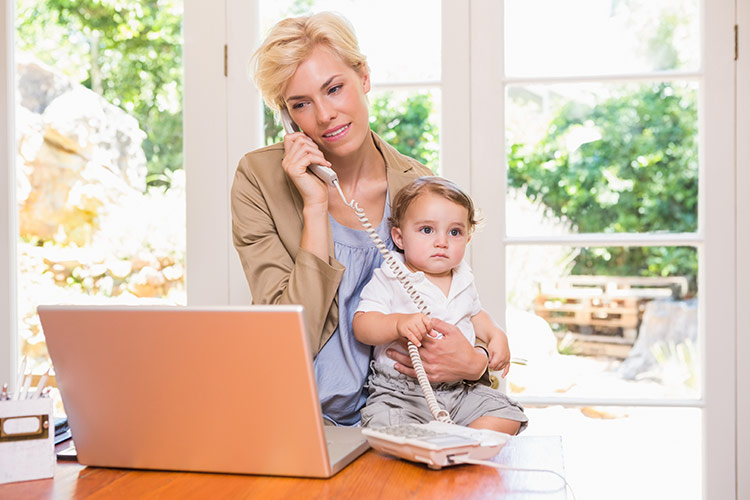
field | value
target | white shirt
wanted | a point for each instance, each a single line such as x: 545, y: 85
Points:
x: 385, y: 294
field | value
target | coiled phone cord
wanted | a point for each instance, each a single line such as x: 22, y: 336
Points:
x: 440, y: 414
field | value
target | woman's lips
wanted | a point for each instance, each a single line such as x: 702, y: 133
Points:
x: 336, y: 133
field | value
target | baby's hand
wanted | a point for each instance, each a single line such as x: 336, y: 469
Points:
x: 499, y: 353
x: 413, y: 327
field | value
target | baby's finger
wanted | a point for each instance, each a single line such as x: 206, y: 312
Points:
x: 413, y: 339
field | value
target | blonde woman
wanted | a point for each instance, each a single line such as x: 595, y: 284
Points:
x: 297, y: 240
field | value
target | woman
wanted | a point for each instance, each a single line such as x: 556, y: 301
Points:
x: 297, y: 240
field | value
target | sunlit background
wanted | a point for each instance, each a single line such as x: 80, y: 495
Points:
x: 601, y: 138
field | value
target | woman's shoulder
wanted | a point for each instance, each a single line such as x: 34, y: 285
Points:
x: 263, y: 164
x: 263, y: 157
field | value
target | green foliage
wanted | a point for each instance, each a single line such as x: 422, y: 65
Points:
x: 128, y: 52
x: 638, y: 174
x: 272, y: 129
x: 408, y: 125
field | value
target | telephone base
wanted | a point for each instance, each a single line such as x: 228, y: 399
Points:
x: 436, y: 444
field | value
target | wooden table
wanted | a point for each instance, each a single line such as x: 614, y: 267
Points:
x: 373, y: 475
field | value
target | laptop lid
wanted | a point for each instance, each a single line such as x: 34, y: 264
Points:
x: 227, y: 389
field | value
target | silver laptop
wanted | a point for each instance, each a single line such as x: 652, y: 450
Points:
x: 227, y: 389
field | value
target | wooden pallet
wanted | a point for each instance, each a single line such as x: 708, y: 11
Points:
x: 603, y: 306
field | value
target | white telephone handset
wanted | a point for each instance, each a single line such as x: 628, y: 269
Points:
x: 325, y: 174
x: 328, y: 176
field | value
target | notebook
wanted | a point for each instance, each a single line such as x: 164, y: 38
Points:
x: 227, y: 389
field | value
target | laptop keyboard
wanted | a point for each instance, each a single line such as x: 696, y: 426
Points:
x: 436, y: 443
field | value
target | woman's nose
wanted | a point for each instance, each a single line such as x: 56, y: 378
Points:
x: 326, y: 112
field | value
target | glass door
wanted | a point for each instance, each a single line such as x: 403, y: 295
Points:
x: 617, y: 136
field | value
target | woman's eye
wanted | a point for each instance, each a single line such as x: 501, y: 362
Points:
x: 298, y: 105
x: 426, y: 230
x: 334, y: 89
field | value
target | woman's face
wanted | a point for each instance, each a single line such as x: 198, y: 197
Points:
x: 326, y: 98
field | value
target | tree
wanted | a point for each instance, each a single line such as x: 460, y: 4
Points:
x: 128, y: 52
x: 640, y: 175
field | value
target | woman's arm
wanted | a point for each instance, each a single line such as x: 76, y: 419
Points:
x: 266, y: 229
x: 299, y: 153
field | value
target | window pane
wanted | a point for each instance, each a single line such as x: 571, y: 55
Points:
x: 101, y: 199
x: 409, y: 121
x: 604, y: 321
x: 592, y: 37
x: 602, y: 158
x: 397, y: 48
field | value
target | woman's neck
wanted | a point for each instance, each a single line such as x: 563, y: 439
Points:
x: 364, y: 165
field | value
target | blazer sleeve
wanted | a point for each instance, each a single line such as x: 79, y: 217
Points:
x: 274, y: 275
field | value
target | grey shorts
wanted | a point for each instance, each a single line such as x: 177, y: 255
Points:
x: 397, y: 399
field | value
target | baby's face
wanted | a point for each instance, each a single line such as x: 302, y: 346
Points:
x: 433, y: 235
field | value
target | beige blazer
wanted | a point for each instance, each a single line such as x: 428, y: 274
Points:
x: 267, y: 229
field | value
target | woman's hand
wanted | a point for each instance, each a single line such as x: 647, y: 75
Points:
x: 299, y: 153
x: 447, y: 359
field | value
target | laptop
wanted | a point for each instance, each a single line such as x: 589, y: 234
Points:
x: 225, y: 389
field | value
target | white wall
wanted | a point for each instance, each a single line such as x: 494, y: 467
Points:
x: 742, y: 117
x: 219, y: 128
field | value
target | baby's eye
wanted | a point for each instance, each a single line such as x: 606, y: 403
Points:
x: 455, y: 232
x: 426, y: 230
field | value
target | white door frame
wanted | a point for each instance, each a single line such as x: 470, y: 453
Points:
x: 742, y: 194
x: 8, y: 210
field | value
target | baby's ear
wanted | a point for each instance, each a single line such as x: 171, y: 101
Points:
x: 397, y: 238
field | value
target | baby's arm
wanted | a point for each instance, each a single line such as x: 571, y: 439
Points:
x: 496, y: 340
x: 376, y: 328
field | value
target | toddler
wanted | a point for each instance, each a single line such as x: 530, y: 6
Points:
x: 432, y: 220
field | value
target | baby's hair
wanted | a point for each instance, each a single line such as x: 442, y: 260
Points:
x: 291, y: 41
x: 435, y: 185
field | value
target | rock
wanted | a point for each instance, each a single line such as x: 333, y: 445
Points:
x: 665, y: 322
x: 38, y: 85
x: 77, y: 155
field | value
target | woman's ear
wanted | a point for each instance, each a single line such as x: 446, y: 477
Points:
x: 365, y: 77
x: 397, y: 238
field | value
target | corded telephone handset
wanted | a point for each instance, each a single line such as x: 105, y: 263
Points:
x: 328, y: 176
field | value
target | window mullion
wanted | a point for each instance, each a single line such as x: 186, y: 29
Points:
x: 599, y: 401
x: 9, y: 230
x: 625, y: 77
x: 610, y: 239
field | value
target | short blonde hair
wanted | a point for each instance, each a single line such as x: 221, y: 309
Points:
x: 291, y: 41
